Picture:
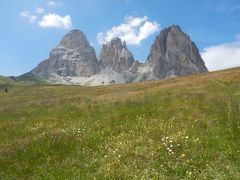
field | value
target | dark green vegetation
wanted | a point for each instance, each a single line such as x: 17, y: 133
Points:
x: 176, y: 128
x: 25, y: 79
x: 28, y: 78
x: 5, y: 81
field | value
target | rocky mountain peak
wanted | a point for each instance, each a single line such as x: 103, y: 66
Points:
x: 174, y: 54
x: 115, y: 55
x: 175, y: 28
x: 75, y: 39
x: 74, y: 61
x: 124, y: 45
x: 116, y: 41
x: 73, y: 57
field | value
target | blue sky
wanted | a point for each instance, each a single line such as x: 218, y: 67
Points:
x: 30, y: 29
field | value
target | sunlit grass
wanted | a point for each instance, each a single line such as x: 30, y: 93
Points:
x: 177, y: 128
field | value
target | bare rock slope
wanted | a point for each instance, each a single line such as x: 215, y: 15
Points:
x: 174, y: 54
x: 74, y: 61
x: 73, y: 57
x: 116, y: 55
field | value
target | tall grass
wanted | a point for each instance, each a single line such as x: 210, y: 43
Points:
x: 182, y: 128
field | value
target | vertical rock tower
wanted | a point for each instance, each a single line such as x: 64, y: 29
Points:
x: 73, y: 57
x: 174, y: 54
x: 116, y: 56
x: 74, y: 61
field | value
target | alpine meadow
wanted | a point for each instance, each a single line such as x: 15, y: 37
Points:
x: 179, y: 128
x: 120, y: 90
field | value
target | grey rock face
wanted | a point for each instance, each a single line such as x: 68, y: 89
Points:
x: 42, y: 70
x: 116, y: 56
x: 74, y: 61
x: 135, y: 66
x: 174, y: 54
x: 72, y: 57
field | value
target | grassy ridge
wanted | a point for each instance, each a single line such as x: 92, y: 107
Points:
x: 177, y: 128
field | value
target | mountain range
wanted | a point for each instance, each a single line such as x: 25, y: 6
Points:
x: 74, y: 61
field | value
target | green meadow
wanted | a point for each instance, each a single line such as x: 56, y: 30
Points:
x: 179, y: 128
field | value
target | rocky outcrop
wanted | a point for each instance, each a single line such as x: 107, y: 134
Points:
x: 135, y: 67
x: 42, y: 70
x: 74, y: 61
x: 72, y: 57
x: 174, y: 54
x: 116, y: 56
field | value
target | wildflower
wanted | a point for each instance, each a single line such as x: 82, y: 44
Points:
x: 170, y: 141
x: 196, y: 140
x: 183, y: 155
x: 186, y: 137
x: 171, y: 145
x: 119, y: 155
x: 105, y: 156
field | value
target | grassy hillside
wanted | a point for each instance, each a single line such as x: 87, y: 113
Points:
x: 28, y: 78
x: 185, y: 128
x: 5, y: 81
x: 25, y: 79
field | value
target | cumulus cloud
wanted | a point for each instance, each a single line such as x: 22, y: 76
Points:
x: 48, y: 20
x: 53, y: 3
x: 39, y: 10
x: 133, y: 30
x: 27, y: 15
x: 222, y: 56
x: 55, y: 20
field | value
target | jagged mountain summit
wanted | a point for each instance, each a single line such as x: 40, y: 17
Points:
x: 74, y: 60
x: 174, y: 54
x: 73, y: 57
x: 116, y: 56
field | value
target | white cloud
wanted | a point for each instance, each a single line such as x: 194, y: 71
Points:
x: 133, y: 30
x: 222, y: 56
x: 27, y: 15
x: 55, y: 20
x: 53, y: 3
x: 39, y: 10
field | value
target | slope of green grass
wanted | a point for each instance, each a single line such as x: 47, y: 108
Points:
x: 6, y: 81
x: 181, y: 128
x: 28, y: 78
x: 23, y: 80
